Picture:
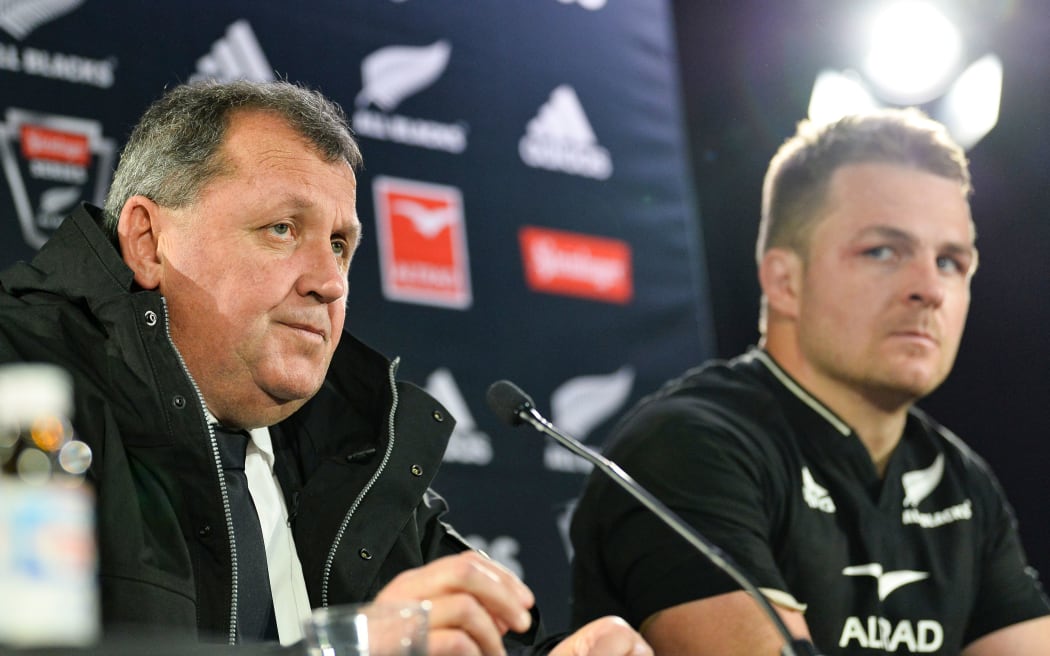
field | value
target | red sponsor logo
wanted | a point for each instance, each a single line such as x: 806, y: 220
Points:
x: 569, y: 263
x: 422, y: 242
x: 55, y: 145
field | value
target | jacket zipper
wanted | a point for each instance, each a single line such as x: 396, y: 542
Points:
x: 232, y: 639
x: 330, y: 560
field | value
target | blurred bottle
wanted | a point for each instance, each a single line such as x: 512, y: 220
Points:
x: 48, y: 561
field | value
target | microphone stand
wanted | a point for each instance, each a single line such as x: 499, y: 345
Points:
x: 527, y: 413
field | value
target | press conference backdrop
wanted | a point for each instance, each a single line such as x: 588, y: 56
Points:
x: 525, y: 201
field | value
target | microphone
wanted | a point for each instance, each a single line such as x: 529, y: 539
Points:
x: 508, y: 402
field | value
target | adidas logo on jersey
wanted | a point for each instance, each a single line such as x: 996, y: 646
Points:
x: 391, y: 75
x: 560, y: 138
x: 236, y: 56
x: 815, y: 495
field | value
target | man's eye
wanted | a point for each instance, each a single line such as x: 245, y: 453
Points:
x: 281, y: 229
x: 339, y: 247
x: 945, y: 263
x: 879, y: 253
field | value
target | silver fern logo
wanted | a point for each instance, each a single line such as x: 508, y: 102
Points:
x: 389, y: 76
x: 918, y: 484
x: 20, y: 17
x: 581, y: 404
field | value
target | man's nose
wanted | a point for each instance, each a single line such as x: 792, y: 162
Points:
x: 926, y: 283
x: 323, y: 275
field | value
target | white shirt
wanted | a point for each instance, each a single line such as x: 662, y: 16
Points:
x: 287, y: 583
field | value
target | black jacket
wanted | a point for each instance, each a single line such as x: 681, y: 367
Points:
x: 354, y: 463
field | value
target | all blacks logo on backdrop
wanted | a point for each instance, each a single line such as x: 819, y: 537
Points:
x: 51, y: 162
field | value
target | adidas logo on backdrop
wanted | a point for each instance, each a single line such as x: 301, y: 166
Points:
x: 236, y: 56
x: 560, y: 138
x: 468, y: 445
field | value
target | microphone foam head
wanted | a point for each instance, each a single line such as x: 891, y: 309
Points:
x: 507, y: 400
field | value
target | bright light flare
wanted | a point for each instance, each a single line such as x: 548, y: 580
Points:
x: 914, y: 52
x: 837, y: 94
x: 970, y: 109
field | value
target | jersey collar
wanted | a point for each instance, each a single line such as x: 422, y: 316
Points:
x: 800, y: 393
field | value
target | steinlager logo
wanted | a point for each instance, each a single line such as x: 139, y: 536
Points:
x: 51, y: 162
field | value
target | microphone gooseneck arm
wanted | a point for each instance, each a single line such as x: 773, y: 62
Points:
x: 515, y: 407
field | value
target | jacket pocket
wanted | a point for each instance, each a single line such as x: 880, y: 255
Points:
x: 134, y: 605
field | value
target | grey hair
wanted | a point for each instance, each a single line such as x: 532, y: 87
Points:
x: 797, y: 180
x: 173, y: 151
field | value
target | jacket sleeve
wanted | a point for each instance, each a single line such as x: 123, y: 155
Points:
x: 440, y: 539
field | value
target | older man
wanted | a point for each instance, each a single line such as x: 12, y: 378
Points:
x: 251, y: 461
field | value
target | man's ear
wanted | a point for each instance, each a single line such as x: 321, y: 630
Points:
x: 780, y: 274
x: 137, y: 234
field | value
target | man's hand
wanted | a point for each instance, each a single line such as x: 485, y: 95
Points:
x: 608, y: 636
x: 473, y: 602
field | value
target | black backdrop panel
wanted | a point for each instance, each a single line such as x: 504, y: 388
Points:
x: 525, y: 200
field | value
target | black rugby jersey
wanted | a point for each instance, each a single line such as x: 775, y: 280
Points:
x: 924, y: 560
